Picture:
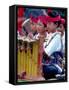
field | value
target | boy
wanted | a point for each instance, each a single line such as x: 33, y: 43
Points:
x: 62, y: 31
x: 41, y: 34
x: 52, y: 48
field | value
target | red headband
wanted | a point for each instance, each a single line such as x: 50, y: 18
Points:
x: 48, y: 18
x: 42, y: 19
x: 33, y: 19
x: 62, y: 21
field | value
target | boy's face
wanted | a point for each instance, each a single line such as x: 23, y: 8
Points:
x: 33, y: 26
x: 62, y: 27
x: 40, y: 27
x: 51, y: 26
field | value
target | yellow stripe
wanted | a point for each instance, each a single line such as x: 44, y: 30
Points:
x: 35, y: 59
x: 29, y: 61
x: 19, y: 62
x: 22, y: 61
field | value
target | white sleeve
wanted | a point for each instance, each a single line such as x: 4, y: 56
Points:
x: 54, y: 45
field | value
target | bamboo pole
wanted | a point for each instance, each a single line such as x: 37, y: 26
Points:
x: 35, y: 59
x: 19, y: 62
x: 25, y: 52
x: 22, y: 58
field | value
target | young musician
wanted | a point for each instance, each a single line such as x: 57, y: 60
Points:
x: 52, y: 56
x: 62, y: 31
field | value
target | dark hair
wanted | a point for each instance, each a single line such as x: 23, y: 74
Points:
x: 54, y: 14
